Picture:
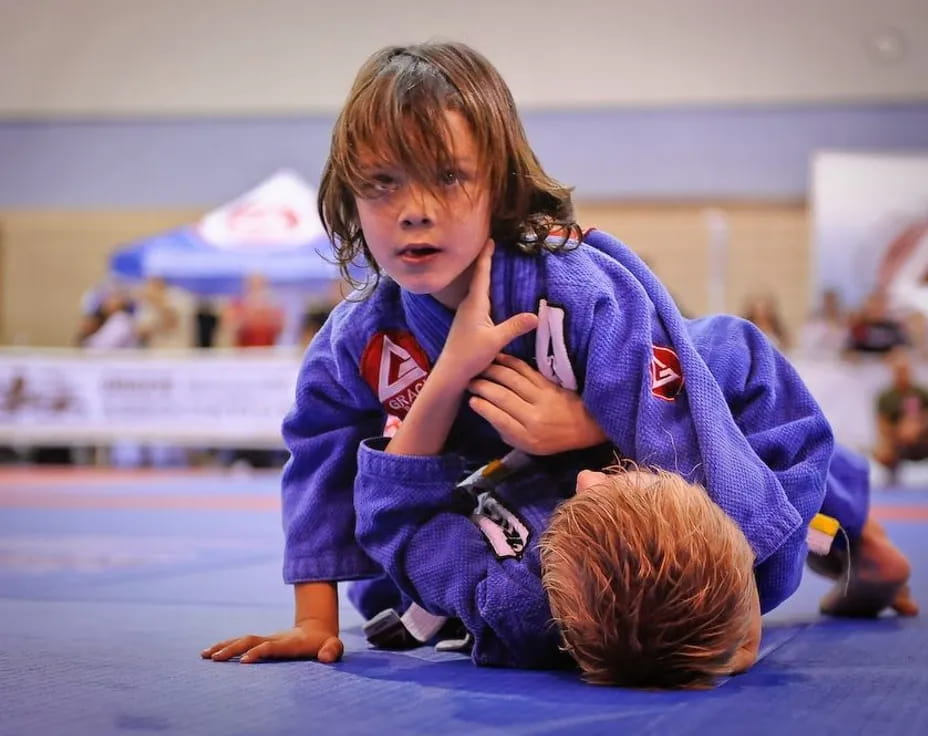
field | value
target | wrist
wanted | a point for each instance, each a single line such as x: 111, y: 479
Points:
x: 594, y: 435
x: 425, y: 428
x: 317, y: 625
x: 448, y: 376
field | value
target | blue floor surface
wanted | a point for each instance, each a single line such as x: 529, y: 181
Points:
x: 110, y: 587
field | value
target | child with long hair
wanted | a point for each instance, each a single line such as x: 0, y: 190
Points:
x: 431, y: 181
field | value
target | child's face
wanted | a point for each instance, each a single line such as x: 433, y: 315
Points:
x: 428, y: 241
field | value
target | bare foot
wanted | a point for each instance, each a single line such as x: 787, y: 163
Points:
x: 832, y: 565
x: 879, y: 573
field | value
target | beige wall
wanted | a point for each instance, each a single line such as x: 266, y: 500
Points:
x: 49, y: 258
x: 767, y: 250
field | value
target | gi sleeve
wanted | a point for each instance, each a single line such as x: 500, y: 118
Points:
x: 785, y: 428
x: 333, y: 412
x: 414, y: 522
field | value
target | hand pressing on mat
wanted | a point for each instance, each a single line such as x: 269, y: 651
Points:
x: 308, y: 640
x: 314, y: 636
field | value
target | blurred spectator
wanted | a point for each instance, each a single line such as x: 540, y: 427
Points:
x: 826, y: 332
x: 92, y: 299
x: 873, y: 329
x: 163, y: 320
x: 206, y: 321
x: 90, y: 323
x: 902, y: 417
x: 156, y: 321
x: 111, y: 326
x: 256, y: 318
x: 915, y: 326
x: 763, y: 311
x: 164, y: 316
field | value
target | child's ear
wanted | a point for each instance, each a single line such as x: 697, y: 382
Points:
x: 746, y: 654
x: 587, y: 479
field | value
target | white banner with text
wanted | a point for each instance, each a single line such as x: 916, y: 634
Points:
x: 209, y: 398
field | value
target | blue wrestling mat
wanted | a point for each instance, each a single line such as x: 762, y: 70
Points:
x: 111, y: 584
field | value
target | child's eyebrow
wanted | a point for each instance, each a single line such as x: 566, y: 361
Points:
x: 465, y: 162
x: 375, y: 165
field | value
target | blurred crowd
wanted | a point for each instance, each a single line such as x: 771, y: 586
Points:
x: 157, y: 316
x: 831, y: 331
x: 872, y: 331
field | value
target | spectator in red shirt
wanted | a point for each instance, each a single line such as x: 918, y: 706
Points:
x: 256, y: 318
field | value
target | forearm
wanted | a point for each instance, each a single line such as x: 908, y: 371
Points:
x: 317, y: 603
x: 425, y: 429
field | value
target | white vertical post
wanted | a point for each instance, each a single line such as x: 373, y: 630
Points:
x: 719, y: 235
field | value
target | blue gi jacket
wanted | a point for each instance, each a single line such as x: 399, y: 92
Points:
x: 741, y: 423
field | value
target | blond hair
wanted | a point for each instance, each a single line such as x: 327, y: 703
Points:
x: 649, y: 581
x: 395, y: 111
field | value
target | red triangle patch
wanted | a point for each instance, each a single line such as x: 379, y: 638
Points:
x: 395, y: 367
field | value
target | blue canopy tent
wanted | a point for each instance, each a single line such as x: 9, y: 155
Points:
x: 272, y: 230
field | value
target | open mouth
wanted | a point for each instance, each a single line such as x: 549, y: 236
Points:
x: 418, y: 252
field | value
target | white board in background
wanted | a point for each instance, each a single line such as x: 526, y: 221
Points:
x: 860, y: 203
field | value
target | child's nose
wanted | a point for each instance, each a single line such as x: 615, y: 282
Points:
x: 418, y: 209
x: 416, y: 219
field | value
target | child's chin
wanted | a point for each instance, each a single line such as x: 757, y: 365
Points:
x: 421, y: 289
x: 423, y: 286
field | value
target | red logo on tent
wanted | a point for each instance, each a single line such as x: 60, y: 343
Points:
x: 666, y: 373
x: 262, y: 221
x: 395, y: 367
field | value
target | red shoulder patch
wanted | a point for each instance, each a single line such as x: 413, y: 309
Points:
x: 666, y: 373
x: 395, y: 367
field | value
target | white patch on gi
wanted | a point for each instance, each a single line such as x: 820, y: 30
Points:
x: 551, y: 348
x: 505, y: 532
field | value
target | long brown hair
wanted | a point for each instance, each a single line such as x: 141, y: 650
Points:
x: 395, y: 110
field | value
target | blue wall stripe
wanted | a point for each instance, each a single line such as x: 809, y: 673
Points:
x: 665, y: 153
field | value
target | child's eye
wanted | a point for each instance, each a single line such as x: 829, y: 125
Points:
x: 449, y: 178
x: 379, y: 185
x: 383, y: 183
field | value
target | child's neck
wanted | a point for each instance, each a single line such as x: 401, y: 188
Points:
x: 453, y: 294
